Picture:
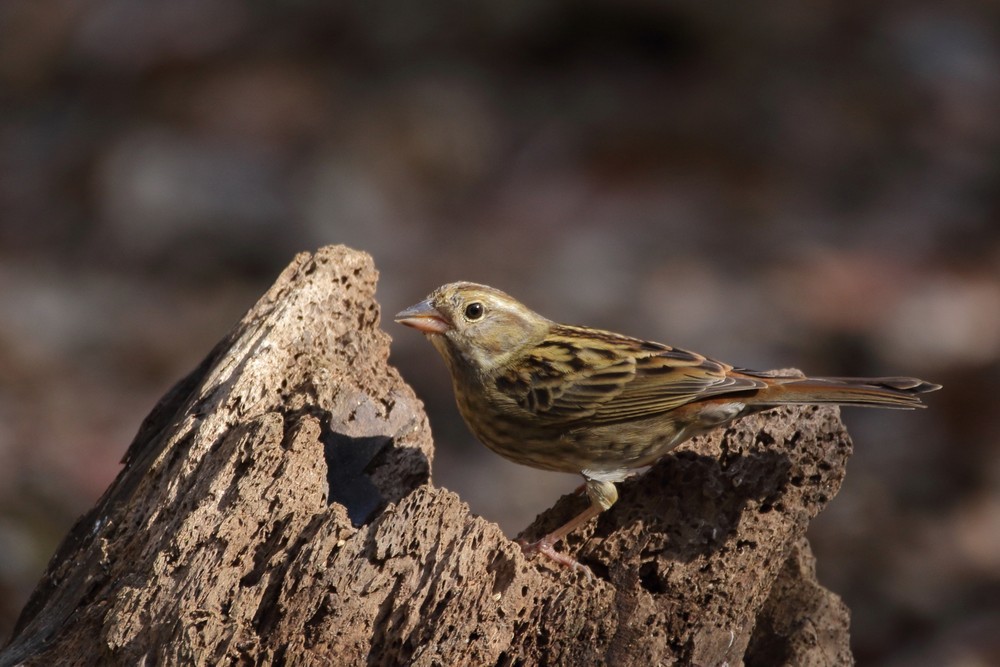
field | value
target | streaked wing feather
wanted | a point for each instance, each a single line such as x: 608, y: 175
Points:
x: 565, y: 382
x: 604, y: 377
x: 649, y: 395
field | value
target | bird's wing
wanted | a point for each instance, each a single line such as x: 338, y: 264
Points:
x: 580, y: 373
x: 565, y: 378
x: 667, y: 378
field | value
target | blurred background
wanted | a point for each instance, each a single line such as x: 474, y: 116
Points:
x: 809, y: 184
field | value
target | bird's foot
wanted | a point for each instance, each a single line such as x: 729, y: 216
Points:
x: 544, y: 546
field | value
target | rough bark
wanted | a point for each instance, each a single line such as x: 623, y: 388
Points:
x: 275, y: 508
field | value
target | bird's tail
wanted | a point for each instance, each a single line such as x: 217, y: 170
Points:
x: 888, y: 392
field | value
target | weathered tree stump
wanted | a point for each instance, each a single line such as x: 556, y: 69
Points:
x: 275, y: 507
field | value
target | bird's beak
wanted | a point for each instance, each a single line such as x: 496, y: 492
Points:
x: 424, y: 317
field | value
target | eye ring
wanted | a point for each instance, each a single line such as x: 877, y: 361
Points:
x: 474, y: 311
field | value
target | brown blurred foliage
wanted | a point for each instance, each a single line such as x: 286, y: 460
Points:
x: 809, y: 184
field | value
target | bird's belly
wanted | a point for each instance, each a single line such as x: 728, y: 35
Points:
x: 630, y: 444
x: 575, y: 447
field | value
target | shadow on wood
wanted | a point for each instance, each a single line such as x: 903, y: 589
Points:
x: 275, y: 507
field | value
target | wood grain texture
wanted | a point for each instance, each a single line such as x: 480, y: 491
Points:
x: 275, y: 508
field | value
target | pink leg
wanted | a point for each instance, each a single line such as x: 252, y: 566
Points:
x: 602, y: 496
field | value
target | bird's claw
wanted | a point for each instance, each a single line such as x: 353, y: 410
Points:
x: 544, y: 547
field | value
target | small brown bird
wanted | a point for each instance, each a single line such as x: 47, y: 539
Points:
x: 598, y: 403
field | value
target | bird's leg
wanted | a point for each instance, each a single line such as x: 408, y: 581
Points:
x: 602, y: 496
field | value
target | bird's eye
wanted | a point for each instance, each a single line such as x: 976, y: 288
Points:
x: 474, y: 311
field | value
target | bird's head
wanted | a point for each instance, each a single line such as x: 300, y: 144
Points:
x: 482, y: 325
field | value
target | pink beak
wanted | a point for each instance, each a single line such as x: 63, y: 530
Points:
x: 424, y: 317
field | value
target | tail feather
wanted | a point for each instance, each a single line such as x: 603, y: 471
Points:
x: 885, y: 392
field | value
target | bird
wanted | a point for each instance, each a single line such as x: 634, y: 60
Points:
x: 599, y: 403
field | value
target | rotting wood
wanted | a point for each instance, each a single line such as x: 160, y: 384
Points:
x: 275, y: 507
